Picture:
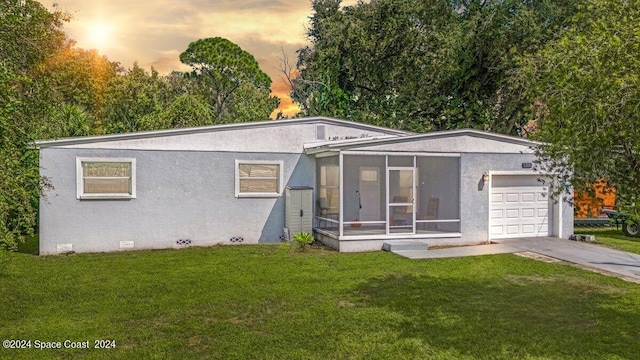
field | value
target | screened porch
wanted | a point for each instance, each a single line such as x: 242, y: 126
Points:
x: 385, y: 196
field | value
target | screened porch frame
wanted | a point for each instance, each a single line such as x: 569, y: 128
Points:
x: 339, y: 227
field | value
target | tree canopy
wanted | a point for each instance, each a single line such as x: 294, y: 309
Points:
x: 420, y: 65
x: 50, y: 88
x: 585, y: 87
x: 30, y: 34
x: 220, y: 68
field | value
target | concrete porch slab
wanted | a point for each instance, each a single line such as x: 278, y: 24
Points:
x: 460, y: 251
x: 394, y: 246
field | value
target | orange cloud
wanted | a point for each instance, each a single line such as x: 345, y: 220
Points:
x: 155, y: 32
x: 287, y: 106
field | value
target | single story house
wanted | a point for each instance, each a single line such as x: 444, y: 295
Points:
x: 361, y: 186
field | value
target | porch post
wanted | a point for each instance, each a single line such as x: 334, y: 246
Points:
x: 386, y: 193
x: 341, y: 185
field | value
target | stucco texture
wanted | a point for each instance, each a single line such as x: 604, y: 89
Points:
x: 180, y: 195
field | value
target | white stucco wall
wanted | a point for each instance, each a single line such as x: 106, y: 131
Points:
x: 474, y: 201
x: 185, y: 184
x: 180, y: 195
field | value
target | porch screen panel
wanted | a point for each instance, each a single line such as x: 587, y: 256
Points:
x: 401, y: 161
x: 438, y: 192
x: 364, y: 191
x: 328, y: 190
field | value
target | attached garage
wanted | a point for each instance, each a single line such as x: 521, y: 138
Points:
x: 520, y: 206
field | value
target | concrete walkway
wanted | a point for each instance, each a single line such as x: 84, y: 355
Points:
x: 598, y: 258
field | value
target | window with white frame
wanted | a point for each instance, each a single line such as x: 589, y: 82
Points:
x: 258, y: 178
x: 106, y: 178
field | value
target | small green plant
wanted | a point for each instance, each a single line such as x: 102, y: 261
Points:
x: 303, y: 239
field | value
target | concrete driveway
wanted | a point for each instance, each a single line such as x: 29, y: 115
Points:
x: 597, y: 258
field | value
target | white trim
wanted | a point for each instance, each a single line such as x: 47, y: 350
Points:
x: 341, y: 191
x: 411, y: 203
x: 327, y: 219
x: 518, y: 173
x: 219, y: 127
x: 394, y: 236
x: 399, y: 153
x: 438, y: 221
x: 363, y: 222
x: 559, y: 216
x: 315, y: 146
x: 386, y: 192
x: 326, y: 153
x: 80, y: 194
x: 435, y: 135
x: 332, y: 235
x: 239, y: 194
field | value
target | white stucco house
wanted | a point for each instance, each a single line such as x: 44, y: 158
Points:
x: 235, y: 183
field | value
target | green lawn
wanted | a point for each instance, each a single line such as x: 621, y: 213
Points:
x: 266, y: 302
x: 612, y: 238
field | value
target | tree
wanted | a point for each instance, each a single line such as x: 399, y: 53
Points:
x: 185, y: 111
x: 78, y: 77
x: 220, y: 69
x: 420, y: 65
x: 249, y: 103
x: 131, y: 96
x: 585, y: 91
x: 30, y: 35
x: 70, y: 120
x: 17, y: 181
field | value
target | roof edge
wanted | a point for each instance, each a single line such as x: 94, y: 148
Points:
x: 431, y: 135
x: 219, y: 127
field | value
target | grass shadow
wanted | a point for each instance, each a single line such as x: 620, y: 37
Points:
x: 30, y: 245
x: 522, y: 317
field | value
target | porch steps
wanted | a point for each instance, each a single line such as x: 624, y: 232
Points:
x: 404, y: 246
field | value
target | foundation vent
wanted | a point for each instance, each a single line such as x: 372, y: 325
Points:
x: 127, y: 244
x: 236, y: 239
x: 64, y: 248
x: 183, y: 242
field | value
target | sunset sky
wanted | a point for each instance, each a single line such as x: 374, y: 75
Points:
x: 155, y: 32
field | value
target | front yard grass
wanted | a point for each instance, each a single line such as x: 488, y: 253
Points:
x: 266, y: 302
x: 612, y: 237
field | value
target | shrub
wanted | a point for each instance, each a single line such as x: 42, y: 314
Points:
x: 303, y: 239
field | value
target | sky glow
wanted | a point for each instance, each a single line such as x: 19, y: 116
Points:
x: 154, y: 33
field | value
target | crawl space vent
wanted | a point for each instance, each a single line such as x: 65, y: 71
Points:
x: 183, y: 242
x: 64, y: 248
x: 127, y: 244
x: 236, y: 239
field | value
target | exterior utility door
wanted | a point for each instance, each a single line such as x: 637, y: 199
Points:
x: 519, y: 207
x: 299, y: 210
x: 401, y: 200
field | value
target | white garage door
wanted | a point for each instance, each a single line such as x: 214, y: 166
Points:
x: 519, y: 211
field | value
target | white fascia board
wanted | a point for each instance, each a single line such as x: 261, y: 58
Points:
x: 220, y: 127
x: 445, y: 134
x: 335, y: 143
